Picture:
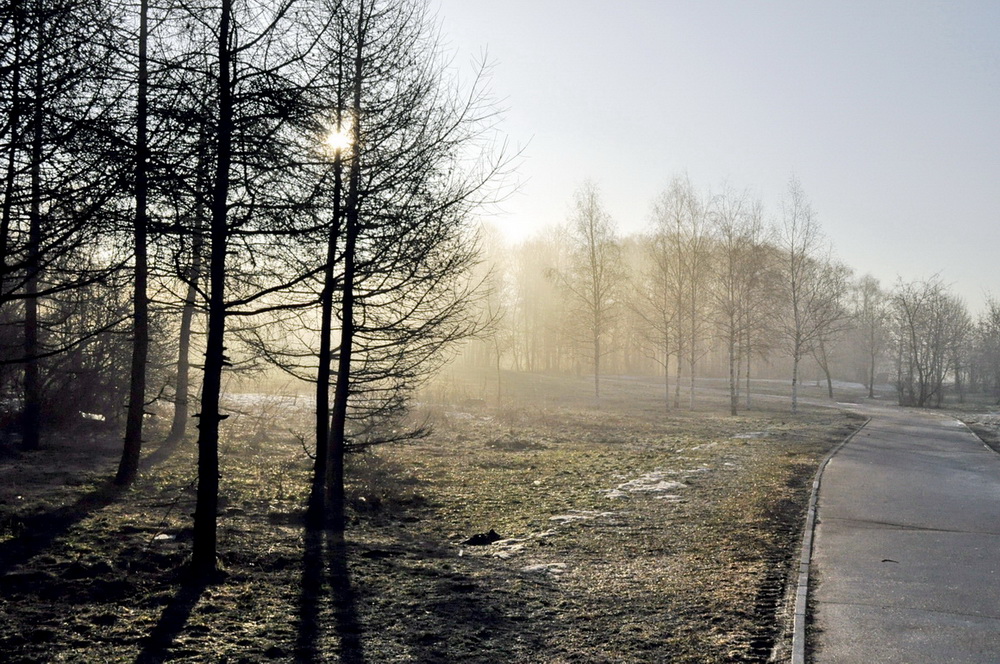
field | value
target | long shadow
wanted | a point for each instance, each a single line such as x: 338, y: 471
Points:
x: 309, y: 597
x: 157, y: 645
x: 333, y: 576
x: 38, y: 532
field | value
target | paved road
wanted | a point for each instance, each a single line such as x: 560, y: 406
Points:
x: 906, y: 556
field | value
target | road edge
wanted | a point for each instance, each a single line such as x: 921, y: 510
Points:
x: 805, y: 556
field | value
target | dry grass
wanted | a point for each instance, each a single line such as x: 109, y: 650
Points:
x: 685, y: 562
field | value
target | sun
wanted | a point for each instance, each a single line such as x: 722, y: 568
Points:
x: 337, y: 140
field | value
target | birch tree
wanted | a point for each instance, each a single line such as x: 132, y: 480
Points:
x: 594, y: 276
x: 814, y: 287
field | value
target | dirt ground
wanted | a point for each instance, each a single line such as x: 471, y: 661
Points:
x: 627, y: 533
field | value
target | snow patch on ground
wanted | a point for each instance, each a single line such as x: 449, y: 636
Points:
x: 654, y: 482
x: 545, y: 568
x: 570, y: 517
x: 752, y: 434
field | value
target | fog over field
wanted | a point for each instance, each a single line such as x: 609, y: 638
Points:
x: 884, y: 111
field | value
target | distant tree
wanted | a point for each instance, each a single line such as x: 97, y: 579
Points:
x: 496, y: 310
x: 655, y: 303
x: 680, y: 218
x: 594, y: 275
x: 985, y: 367
x: 829, y: 315
x: 741, y: 277
x: 541, y: 338
x: 871, y: 317
x: 814, y: 287
x: 931, y: 323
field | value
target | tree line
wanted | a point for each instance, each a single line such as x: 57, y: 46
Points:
x: 222, y: 186
x: 714, y: 286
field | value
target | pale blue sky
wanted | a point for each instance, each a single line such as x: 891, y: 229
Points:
x: 887, y: 112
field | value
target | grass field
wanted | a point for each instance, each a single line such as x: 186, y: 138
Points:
x: 628, y: 533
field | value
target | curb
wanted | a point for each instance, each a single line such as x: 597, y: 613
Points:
x: 805, y: 558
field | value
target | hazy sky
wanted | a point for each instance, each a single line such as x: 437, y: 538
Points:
x: 887, y: 112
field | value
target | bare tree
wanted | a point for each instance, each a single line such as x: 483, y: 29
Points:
x: 871, y: 318
x: 931, y: 323
x: 741, y: 278
x: 594, y: 276
x: 814, y: 285
x: 679, y: 217
x: 420, y: 159
x: 985, y: 367
x: 62, y: 172
x: 655, y: 303
x: 129, y: 465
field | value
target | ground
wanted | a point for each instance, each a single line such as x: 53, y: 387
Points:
x: 628, y: 533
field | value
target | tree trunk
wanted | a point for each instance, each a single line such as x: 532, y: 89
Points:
x: 183, y: 386
x: 677, y: 380
x: 129, y: 465
x: 14, y: 141
x: 335, y: 497
x: 206, y: 510
x: 597, y: 366
x: 824, y: 365
x: 666, y: 371
x: 871, y: 376
x: 326, y: 347
x: 693, y: 357
x: 733, y: 379
x: 796, y: 356
x: 31, y: 415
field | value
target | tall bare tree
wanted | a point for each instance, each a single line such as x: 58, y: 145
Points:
x: 814, y: 285
x: 419, y: 159
x: 871, y: 318
x: 741, y: 277
x: 129, y: 465
x: 594, y: 275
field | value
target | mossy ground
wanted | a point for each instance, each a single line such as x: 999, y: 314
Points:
x: 631, y: 534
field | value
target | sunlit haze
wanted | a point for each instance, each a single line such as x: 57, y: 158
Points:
x: 885, y: 111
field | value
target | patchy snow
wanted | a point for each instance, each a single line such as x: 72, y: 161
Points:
x: 703, y: 446
x: 752, y: 434
x: 563, y: 519
x: 545, y: 568
x: 507, y: 548
x: 654, y: 482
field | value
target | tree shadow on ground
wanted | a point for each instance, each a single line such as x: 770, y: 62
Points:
x: 38, y: 532
x: 156, y: 646
x: 325, y: 570
x: 163, y: 452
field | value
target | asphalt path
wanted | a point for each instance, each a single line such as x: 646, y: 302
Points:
x: 906, y: 551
